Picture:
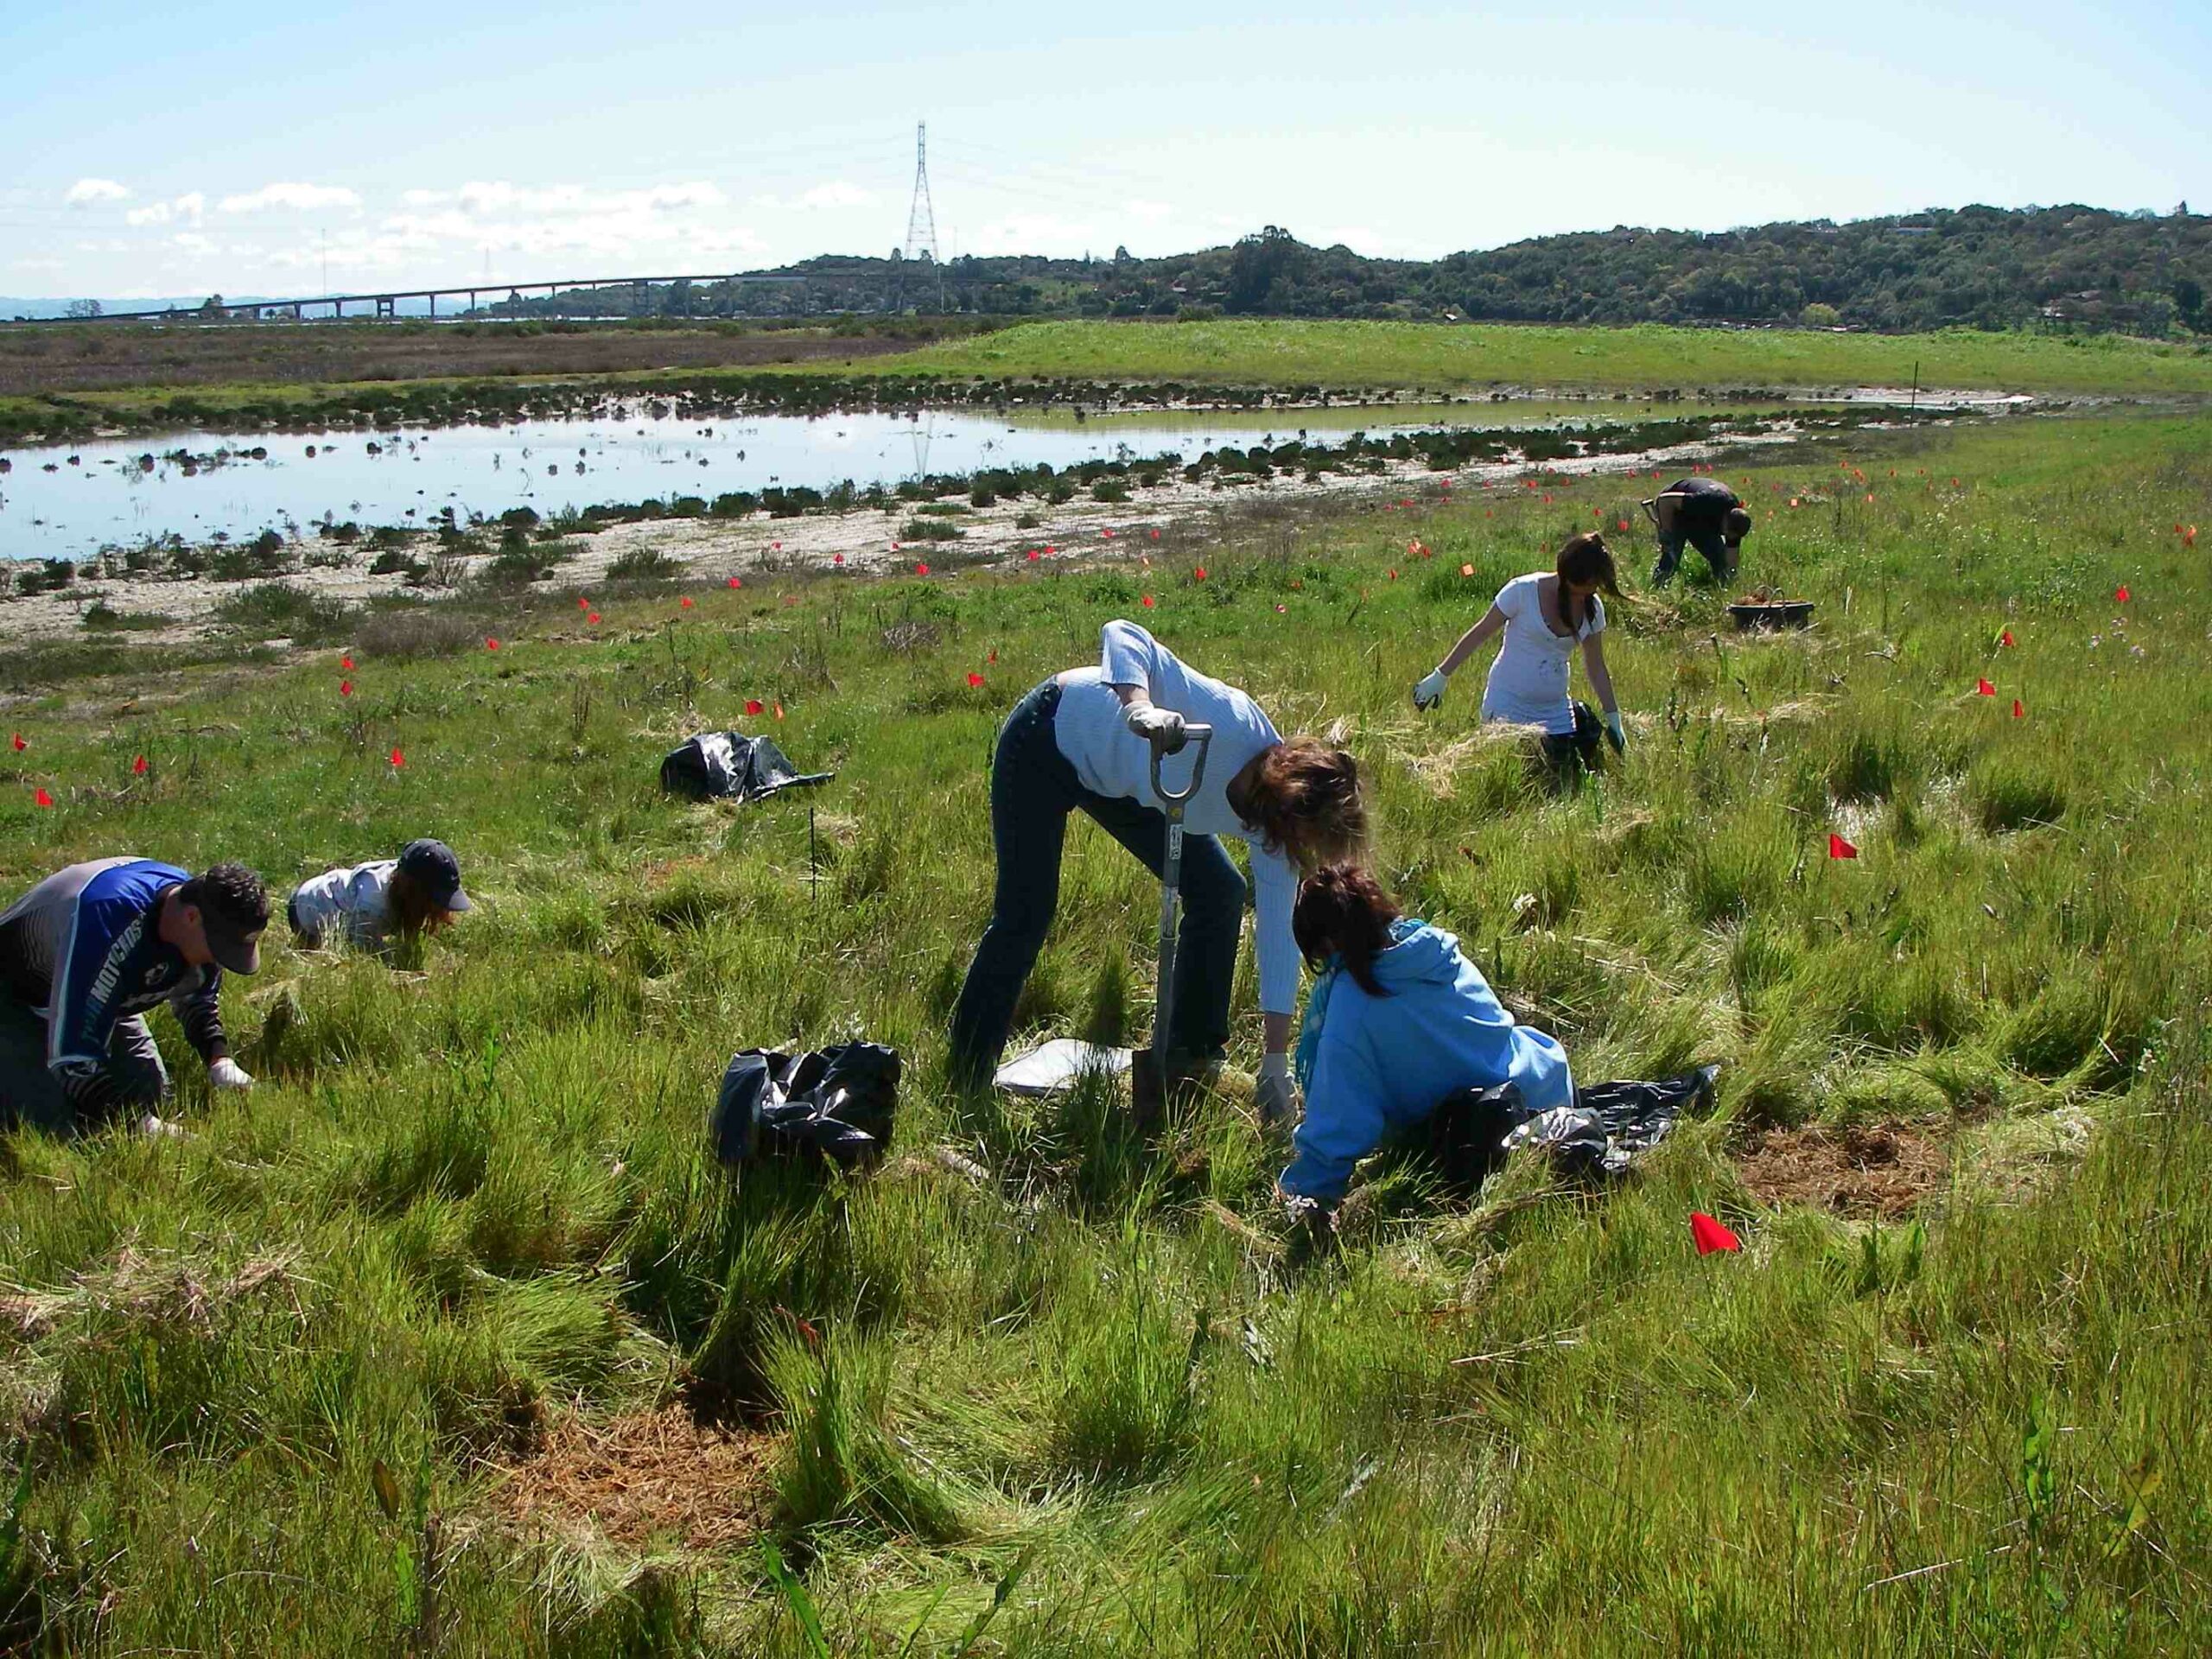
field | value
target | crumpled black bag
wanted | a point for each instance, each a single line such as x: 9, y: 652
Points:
x: 837, y: 1103
x: 1609, y: 1125
x: 729, y: 766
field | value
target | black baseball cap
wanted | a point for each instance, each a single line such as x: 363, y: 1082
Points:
x: 233, y: 910
x: 432, y: 863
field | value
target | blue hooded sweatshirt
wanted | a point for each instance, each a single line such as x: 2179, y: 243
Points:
x: 1371, y: 1064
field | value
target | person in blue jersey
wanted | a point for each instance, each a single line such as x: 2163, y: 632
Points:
x: 85, y: 953
x: 1398, y: 1020
x: 1083, y: 741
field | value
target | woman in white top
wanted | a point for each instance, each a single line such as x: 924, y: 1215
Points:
x: 1083, y: 741
x: 366, y: 904
x: 1544, y: 615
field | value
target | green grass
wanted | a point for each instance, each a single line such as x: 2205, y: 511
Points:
x: 1096, y: 1401
x: 1277, y: 352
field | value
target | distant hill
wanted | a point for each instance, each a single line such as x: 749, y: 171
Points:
x: 2074, y: 268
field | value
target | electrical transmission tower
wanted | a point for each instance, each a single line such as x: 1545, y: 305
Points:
x: 921, y: 217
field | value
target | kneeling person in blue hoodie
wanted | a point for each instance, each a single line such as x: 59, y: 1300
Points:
x: 1397, y: 1020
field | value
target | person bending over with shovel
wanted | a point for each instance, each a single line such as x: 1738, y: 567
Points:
x: 1398, y: 1021
x: 85, y: 953
x: 1544, y: 615
x: 1706, y: 514
x: 1140, y: 733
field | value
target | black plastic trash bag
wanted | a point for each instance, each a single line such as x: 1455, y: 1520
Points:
x: 729, y: 766
x: 1466, y: 1134
x: 835, y: 1102
x: 1611, y: 1123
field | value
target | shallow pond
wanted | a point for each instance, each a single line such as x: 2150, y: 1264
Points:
x: 70, y: 501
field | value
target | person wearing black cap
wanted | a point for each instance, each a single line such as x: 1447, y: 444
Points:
x: 85, y: 953
x: 418, y: 890
x: 1706, y: 514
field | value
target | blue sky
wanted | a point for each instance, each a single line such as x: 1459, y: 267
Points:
x: 182, y: 149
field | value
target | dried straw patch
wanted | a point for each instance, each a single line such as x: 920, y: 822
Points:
x: 1882, y: 1169
x: 639, y: 1479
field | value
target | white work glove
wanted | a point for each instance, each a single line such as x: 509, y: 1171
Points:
x: 1162, y: 727
x: 1430, y: 691
x: 1275, y: 1094
x: 1616, y: 731
x: 227, y: 1073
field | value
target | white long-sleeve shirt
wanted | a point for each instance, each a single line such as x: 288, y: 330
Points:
x: 1112, y: 760
x: 357, y: 901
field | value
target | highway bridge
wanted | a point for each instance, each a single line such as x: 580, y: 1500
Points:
x: 387, y: 305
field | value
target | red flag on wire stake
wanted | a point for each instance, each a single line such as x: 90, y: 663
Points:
x: 753, y: 705
x: 2006, y: 639
x: 17, y: 739
x: 139, y: 766
x: 1839, y: 848
x: 974, y: 679
x: 1710, y: 1234
x: 2019, y: 709
x: 397, y: 759
x: 40, y: 797
x: 346, y: 663
x: 345, y: 688
x: 1984, y: 688
x: 2120, y: 593
x: 491, y: 644
x: 735, y: 582
x: 1148, y: 601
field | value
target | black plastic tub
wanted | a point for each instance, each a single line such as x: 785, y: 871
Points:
x: 1773, y: 615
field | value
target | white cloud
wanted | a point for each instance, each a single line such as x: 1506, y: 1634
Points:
x: 186, y: 209
x: 836, y: 193
x: 296, y: 197
x: 85, y: 192
x: 1151, y: 213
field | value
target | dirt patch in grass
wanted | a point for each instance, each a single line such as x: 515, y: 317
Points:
x: 638, y: 1479
x: 1880, y: 1169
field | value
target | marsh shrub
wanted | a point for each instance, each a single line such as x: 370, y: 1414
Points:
x: 280, y: 607
x: 417, y: 630
x: 644, y: 564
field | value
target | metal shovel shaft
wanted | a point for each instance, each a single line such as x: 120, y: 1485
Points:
x: 1171, y: 881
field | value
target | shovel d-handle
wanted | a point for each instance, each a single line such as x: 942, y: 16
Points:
x: 1201, y: 735
x: 1171, y: 879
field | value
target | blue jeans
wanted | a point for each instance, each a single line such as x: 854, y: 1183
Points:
x: 1032, y: 791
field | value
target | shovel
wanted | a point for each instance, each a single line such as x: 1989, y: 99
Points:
x: 1152, y: 1078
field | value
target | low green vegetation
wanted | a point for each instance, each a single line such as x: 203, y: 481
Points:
x: 1039, y: 1387
x: 1643, y: 357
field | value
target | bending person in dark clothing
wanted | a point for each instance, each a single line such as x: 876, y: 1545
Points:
x: 85, y: 953
x: 1706, y: 514
x: 1083, y: 741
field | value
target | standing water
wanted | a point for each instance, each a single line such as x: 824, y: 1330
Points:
x: 71, y: 501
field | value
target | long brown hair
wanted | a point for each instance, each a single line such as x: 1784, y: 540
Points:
x: 412, y: 907
x: 1306, y: 802
x: 1343, y: 911
x: 1584, y: 559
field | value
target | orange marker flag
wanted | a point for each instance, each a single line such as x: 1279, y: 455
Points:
x: 1839, y: 848
x: 780, y: 711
